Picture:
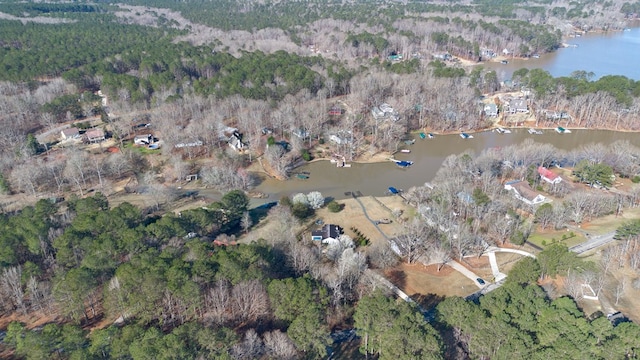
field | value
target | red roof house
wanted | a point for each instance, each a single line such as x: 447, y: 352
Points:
x: 548, y: 175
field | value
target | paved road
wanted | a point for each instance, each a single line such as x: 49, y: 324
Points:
x: 593, y: 242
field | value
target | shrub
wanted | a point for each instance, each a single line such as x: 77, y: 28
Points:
x: 334, y: 206
x: 301, y: 211
x: 285, y: 201
x: 305, y: 155
x: 271, y: 141
x: 636, y: 179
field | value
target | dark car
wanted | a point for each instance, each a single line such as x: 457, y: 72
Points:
x: 480, y: 281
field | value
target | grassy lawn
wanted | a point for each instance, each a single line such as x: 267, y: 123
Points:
x: 547, y: 237
x: 142, y: 149
x: 610, y: 223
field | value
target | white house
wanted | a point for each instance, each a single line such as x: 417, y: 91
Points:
x: 523, y: 192
x: 143, y: 140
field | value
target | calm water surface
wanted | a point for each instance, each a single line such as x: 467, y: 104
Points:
x: 427, y: 155
x: 615, y: 53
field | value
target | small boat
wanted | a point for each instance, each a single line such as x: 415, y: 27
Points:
x: 423, y: 135
x: 402, y: 163
x: 504, y: 62
x: 466, y: 136
x: 533, y: 131
x: 561, y: 130
x: 302, y: 176
x: 410, y: 142
x: 503, y: 131
x: 430, y: 136
x: 393, y: 190
x: 536, y: 56
x: 406, y: 151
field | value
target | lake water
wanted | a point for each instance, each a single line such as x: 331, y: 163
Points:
x: 427, y: 155
x: 604, y: 54
x: 614, y: 53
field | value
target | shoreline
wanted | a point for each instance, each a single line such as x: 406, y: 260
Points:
x: 384, y: 156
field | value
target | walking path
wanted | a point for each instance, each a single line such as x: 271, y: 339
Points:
x: 364, y: 210
x: 497, y: 275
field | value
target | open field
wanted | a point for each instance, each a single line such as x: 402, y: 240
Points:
x: 417, y: 280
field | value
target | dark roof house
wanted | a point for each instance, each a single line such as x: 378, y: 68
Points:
x: 328, y: 231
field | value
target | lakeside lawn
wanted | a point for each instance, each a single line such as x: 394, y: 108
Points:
x: 545, y: 238
x: 598, y: 226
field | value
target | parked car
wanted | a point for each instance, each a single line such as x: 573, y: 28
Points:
x: 480, y: 281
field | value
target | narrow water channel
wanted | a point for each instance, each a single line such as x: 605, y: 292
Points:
x: 427, y: 155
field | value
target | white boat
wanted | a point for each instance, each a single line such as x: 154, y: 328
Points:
x: 503, y: 131
x: 405, y: 151
x: 466, y: 136
x: 561, y: 130
x: 533, y: 131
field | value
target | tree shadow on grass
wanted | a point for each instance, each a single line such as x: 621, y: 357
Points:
x: 427, y: 301
x: 397, y: 277
x: 260, y: 212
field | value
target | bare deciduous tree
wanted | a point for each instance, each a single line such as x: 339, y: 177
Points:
x: 278, y: 346
x: 11, y: 285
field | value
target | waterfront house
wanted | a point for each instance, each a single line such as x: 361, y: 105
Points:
x: 548, y: 175
x: 328, y: 233
x: 491, y: 110
x: 518, y: 106
x: 70, y: 133
x: 523, y: 192
x: 94, y: 135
